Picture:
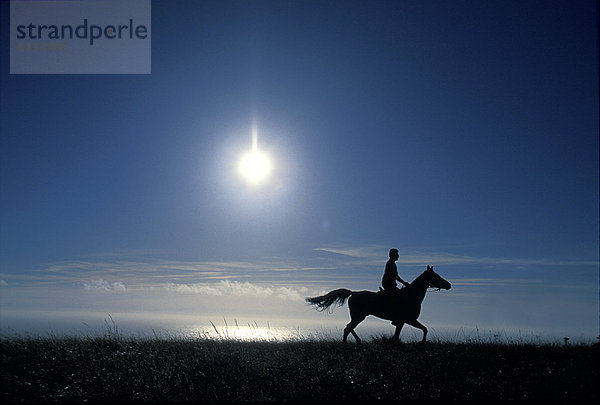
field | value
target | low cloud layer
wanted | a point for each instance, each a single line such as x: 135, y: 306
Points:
x: 103, y: 285
x: 239, y: 289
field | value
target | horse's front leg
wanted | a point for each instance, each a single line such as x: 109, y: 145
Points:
x: 419, y: 325
x: 397, y: 332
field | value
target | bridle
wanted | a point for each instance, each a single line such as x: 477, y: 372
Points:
x: 433, y: 288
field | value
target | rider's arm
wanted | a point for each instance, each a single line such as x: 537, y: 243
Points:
x: 402, y: 281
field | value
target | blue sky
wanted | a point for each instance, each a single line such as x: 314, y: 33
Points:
x: 465, y: 134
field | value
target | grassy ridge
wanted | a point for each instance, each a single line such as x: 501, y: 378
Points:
x: 88, y: 369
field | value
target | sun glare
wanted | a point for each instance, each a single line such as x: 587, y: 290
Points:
x: 255, y: 165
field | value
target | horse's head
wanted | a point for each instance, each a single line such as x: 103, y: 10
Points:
x: 435, y: 280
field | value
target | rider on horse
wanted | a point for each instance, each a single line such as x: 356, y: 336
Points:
x: 391, y: 274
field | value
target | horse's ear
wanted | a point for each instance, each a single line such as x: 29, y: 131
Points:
x: 429, y: 268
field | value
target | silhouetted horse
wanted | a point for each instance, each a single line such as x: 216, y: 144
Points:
x: 403, y: 306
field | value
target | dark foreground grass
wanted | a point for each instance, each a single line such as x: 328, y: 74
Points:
x: 90, y: 369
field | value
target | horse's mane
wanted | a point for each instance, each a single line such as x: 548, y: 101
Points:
x: 419, y: 278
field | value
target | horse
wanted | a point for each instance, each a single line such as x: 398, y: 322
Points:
x: 400, y: 307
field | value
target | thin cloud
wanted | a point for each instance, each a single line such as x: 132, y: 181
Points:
x: 103, y: 285
x: 225, y: 288
x: 408, y: 257
x: 362, y: 252
x: 513, y: 283
x: 445, y: 258
x: 140, y: 272
x: 355, y: 262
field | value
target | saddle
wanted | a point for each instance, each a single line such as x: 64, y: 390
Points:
x: 388, y: 292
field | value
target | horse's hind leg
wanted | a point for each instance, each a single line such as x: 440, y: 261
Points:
x: 350, y: 329
x: 355, y: 336
x: 419, y: 325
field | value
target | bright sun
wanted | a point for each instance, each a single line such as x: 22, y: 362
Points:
x: 255, y: 165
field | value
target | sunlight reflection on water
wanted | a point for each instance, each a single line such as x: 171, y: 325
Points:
x: 240, y: 333
x: 286, y: 330
x: 253, y: 333
x: 280, y: 334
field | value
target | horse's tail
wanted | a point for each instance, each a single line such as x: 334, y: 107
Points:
x: 323, y: 302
